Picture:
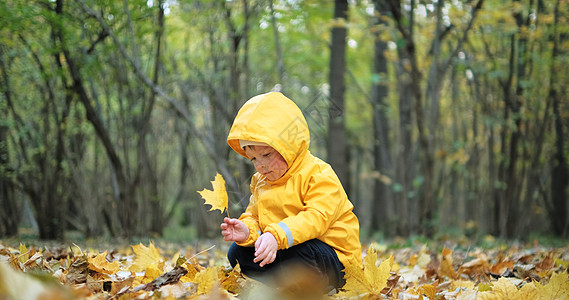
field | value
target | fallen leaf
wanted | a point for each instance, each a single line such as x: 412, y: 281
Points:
x: 207, y: 280
x: 501, y: 267
x: 145, y: 257
x: 557, y: 288
x: 100, y: 264
x: 231, y: 280
x: 446, y: 268
x: 505, y: 289
x: 370, y: 280
x: 428, y: 290
x: 193, y: 270
x: 78, y: 271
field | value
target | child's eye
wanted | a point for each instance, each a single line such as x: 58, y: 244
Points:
x: 266, y: 154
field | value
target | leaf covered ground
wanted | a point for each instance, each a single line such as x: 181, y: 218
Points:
x: 166, y: 271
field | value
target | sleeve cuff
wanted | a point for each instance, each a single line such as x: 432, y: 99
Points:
x: 253, y: 236
x: 282, y: 234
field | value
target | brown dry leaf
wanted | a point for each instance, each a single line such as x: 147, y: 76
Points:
x: 476, y: 268
x: 121, y: 285
x: 501, y: 267
x: 391, y: 284
x: 545, y: 265
x: 100, y: 264
x: 217, y: 197
x: 78, y: 271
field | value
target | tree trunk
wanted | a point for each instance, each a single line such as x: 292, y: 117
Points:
x: 279, y: 52
x: 156, y: 208
x: 559, y: 172
x: 9, y: 210
x: 337, y: 155
x: 382, y: 200
x: 405, y: 217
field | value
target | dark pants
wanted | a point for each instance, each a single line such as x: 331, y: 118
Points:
x: 313, y: 254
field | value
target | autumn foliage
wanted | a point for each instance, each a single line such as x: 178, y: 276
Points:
x: 148, y: 272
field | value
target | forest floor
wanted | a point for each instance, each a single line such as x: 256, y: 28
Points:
x: 414, y: 268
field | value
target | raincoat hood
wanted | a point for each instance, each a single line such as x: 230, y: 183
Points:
x: 274, y: 119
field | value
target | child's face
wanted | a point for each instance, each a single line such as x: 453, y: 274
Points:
x: 267, y: 161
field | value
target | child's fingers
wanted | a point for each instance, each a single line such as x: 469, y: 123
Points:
x: 263, y: 253
x: 260, y: 249
x: 269, y: 258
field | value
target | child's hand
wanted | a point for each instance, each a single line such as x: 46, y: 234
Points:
x: 234, y: 230
x: 266, y: 248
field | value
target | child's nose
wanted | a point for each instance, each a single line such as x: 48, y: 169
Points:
x: 259, y: 165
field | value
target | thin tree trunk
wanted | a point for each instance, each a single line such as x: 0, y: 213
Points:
x: 156, y: 209
x: 560, y: 171
x: 9, y: 207
x: 405, y: 218
x: 337, y: 155
x: 382, y: 200
x: 279, y: 52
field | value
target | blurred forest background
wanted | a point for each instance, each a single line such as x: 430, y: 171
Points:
x: 440, y: 117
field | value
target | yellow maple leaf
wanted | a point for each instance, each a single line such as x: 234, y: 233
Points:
x: 100, y: 264
x: 528, y: 292
x: 504, y: 289
x: 217, y: 197
x: 557, y: 288
x: 207, y: 280
x: 145, y: 257
x: 370, y: 280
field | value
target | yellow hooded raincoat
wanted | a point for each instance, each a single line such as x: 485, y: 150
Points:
x: 308, y: 201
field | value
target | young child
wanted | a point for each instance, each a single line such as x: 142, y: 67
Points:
x: 298, y: 212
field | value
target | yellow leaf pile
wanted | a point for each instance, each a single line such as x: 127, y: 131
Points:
x: 151, y: 272
x: 217, y: 197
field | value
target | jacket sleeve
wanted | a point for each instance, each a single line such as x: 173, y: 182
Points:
x: 250, y: 218
x: 324, y: 202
